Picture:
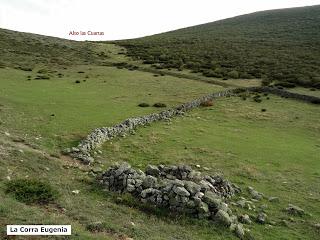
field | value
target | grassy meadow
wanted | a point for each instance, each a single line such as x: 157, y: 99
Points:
x: 54, y: 92
x: 276, y: 151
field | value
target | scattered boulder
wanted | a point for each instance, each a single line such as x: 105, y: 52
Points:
x: 274, y: 199
x: 223, y: 218
x: 239, y: 230
x: 295, y: 210
x: 245, y: 219
x: 261, y: 218
x: 255, y: 194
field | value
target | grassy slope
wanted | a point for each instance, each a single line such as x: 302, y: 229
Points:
x: 275, y: 45
x: 249, y: 147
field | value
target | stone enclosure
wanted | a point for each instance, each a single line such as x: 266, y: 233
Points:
x: 178, y: 188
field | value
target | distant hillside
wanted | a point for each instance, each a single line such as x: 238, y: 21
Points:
x: 277, y: 45
x: 23, y: 50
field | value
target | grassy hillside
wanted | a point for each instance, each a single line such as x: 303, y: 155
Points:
x: 278, y: 45
x: 47, y: 105
x: 25, y: 50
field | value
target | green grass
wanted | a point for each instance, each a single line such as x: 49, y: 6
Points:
x: 275, y: 151
x: 108, y: 96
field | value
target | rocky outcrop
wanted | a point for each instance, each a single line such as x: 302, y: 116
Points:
x: 101, y: 135
x: 179, y: 188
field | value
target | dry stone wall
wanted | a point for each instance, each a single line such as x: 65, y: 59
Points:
x: 101, y: 135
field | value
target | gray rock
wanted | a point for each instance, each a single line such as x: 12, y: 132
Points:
x: 239, y: 231
x: 131, y: 188
x: 181, y: 191
x: 273, y: 199
x: 317, y: 226
x: 149, y: 181
x: 203, y: 208
x: 212, y: 199
x: 261, y: 218
x: 192, y: 187
x: 97, y: 170
x: 152, y: 170
x: 223, y: 218
x: 122, y: 168
x: 245, y: 219
x: 295, y: 210
x: 255, y: 194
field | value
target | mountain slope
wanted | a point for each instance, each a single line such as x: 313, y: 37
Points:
x: 278, y: 45
x: 24, y: 50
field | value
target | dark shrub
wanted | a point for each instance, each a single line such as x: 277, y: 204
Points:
x: 80, y: 72
x: 315, y: 101
x: 208, y: 103
x: 286, y: 84
x: 77, y: 81
x: 42, y: 77
x: 95, y: 227
x: 144, y: 105
x: 26, y: 69
x: 263, y: 110
x: 156, y: 75
x: 313, y: 89
x: 159, y: 105
x: 31, y: 191
x: 42, y: 71
x: 257, y: 99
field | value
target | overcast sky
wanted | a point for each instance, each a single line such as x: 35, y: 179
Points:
x: 121, y: 19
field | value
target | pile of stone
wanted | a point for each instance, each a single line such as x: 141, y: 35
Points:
x: 178, y: 188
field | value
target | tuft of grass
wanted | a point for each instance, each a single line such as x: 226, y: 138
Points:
x: 31, y: 191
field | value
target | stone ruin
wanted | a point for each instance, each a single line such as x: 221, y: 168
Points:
x: 178, y: 188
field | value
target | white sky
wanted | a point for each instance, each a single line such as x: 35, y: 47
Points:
x: 121, y: 19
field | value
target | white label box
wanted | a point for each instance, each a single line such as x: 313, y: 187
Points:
x: 38, y: 230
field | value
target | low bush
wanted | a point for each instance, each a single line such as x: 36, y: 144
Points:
x: 31, y: 191
x: 38, y: 77
x: 77, y: 81
x: 257, y: 98
x: 208, y: 103
x: 42, y: 71
x: 160, y: 105
x: 286, y: 84
x: 26, y: 69
x: 144, y: 105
